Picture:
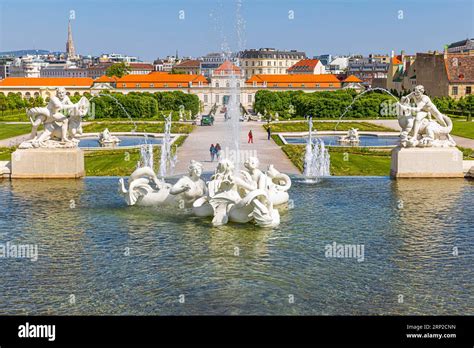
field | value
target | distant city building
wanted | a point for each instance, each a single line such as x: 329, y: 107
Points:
x: 338, y: 65
x: 367, y: 69
x: 166, y: 64
x: 268, y: 61
x: 445, y: 74
x: 401, y: 73
x: 29, y: 66
x: 5, y: 63
x: 190, y: 66
x: 212, y: 61
x: 324, y: 58
x: 117, y: 58
x: 307, y: 67
x: 464, y: 46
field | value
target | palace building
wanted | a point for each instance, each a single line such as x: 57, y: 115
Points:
x: 228, y: 79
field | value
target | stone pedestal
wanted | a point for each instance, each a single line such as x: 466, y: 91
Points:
x: 430, y: 162
x: 47, y: 163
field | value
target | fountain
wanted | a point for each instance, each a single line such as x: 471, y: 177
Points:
x: 146, y: 156
x: 107, y: 139
x: 248, y: 196
x: 351, y: 138
x: 167, y: 160
x: 317, y: 159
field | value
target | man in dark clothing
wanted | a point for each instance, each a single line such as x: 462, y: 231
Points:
x: 269, y: 132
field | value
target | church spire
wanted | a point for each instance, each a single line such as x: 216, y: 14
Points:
x: 70, y: 50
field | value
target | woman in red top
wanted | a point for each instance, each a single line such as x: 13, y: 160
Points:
x: 250, y: 137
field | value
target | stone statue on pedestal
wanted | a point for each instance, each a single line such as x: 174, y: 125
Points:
x: 61, y: 120
x: 418, y: 127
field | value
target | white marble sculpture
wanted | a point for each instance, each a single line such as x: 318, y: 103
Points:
x: 146, y: 189
x: 249, y: 196
x: 235, y: 198
x: 352, y: 137
x: 418, y: 127
x: 107, y: 139
x: 61, y: 120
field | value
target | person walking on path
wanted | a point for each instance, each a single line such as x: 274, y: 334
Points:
x: 218, y: 151
x: 250, y: 137
x: 212, y: 151
x: 269, y: 132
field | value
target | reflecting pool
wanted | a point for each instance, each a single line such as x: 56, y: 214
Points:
x: 98, y: 256
x: 365, y: 140
x: 125, y: 140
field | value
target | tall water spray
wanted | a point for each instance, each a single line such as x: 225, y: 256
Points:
x: 317, y: 159
x: 146, y: 156
x: 167, y: 160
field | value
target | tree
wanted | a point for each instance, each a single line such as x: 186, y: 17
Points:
x: 118, y: 69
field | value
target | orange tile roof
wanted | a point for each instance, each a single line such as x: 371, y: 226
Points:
x: 47, y: 81
x: 227, y: 68
x: 304, y: 65
x: 160, y: 79
x: 352, y: 78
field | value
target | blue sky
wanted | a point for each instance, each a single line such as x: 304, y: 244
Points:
x: 152, y: 28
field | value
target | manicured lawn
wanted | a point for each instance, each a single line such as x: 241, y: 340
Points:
x: 141, y: 127
x: 463, y: 128
x: 6, y: 153
x: 18, y: 116
x: 346, y: 161
x: 325, y: 126
x: 111, y: 162
x: 12, y: 130
x: 119, y: 162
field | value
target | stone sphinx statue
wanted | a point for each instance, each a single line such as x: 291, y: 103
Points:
x: 61, y: 120
x: 107, y: 139
x: 419, y: 129
x: 352, y: 137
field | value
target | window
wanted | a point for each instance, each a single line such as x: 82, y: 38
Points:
x: 468, y: 90
x: 205, y: 98
x: 137, y: 85
x: 166, y: 85
x: 152, y: 85
x: 317, y: 85
x: 217, y: 98
x: 302, y: 85
x: 249, y: 98
x: 290, y: 85
x: 455, y: 90
x: 331, y: 85
x: 179, y: 85
x: 217, y: 84
x: 269, y: 63
x: 124, y: 85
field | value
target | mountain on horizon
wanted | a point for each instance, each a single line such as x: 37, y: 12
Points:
x: 21, y: 53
